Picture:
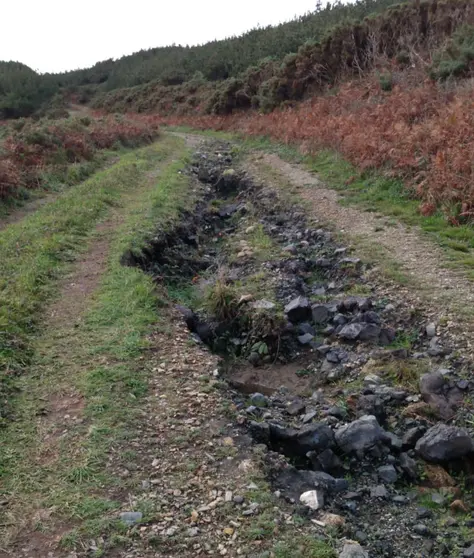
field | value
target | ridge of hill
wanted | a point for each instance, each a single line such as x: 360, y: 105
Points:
x: 176, y: 64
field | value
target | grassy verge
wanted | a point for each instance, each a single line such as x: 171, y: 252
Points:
x: 376, y: 193
x: 97, y: 365
x: 35, y: 251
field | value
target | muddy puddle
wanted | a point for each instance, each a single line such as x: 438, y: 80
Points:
x: 358, y: 399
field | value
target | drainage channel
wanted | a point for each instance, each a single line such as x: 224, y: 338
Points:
x: 357, y: 399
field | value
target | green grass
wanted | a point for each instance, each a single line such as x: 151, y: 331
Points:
x: 99, y: 360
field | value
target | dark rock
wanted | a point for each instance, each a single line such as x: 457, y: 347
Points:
x: 305, y: 339
x: 370, y: 317
x: 296, y: 408
x: 351, y: 332
x: 422, y: 530
x: 372, y: 405
x: 378, y: 492
x: 333, y: 357
x: 435, y: 391
x: 252, y: 410
x: 326, y: 461
x: 387, y: 336
x: 308, y: 417
x: 411, y: 437
x: 326, y: 482
x: 387, y: 474
x: 338, y: 412
x: 298, y: 310
x: 259, y: 400
x: 306, y: 327
x: 359, y: 436
x: 370, y: 333
x: 339, y: 319
x: 443, y: 443
x: 394, y: 441
x: 424, y: 513
x: 320, y: 314
x: 260, y: 432
x: 228, y: 210
x: 462, y: 384
x: 469, y: 552
x: 408, y: 466
x: 328, y: 330
x: 254, y: 358
x: 238, y: 500
x: 315, y: 437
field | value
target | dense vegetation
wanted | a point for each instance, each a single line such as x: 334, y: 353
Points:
x: 35, y: 152
x: 22, y: 91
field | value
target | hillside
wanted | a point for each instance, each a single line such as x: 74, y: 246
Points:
x: 172, y: 65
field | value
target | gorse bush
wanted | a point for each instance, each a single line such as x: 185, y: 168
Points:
x: 456, y: 58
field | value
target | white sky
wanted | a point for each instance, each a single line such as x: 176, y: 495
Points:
x: 58, y: 35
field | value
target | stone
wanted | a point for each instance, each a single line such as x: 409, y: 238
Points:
x: 351, y: 332
x: 421, y: 530
x: 387, y: 474
x: 259, y: 400
x: 320, y: 314
x: 370, y: 317
x: 443, y: 443
x: 326, y: 460
x: 353, y: 551
x: 378, y: 491
x: 260, y: 431
x: 306, y: 327
x: 424, y: 513
x: 360, y: 435
x: 372, y: 379
x: 313, y: 499
x: 298, y: 310
x: 262, y: 305
x: 305, y: 339
x: 238, y: 500
x: 296, y: 408
x: 314, y: 437
x: 438, y: 499
x: 291, y: 249
x: 333, y: 520
x: 431, y: 330
x: 469, y: 552
x: 411, y: 437
x: 387, y: 335
x: 462, y: 384
x: 408, y: 466
x: 308, y: 417
x: 326, y: 482
x: 131, y: 518
x: 370, y: 333
x: 193, y: 532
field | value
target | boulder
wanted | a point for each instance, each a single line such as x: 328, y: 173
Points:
x: 298, y: 310
x: 351, y: 332
x: 360, y: 436
x: 443, y: 443
x: 387, y: 474
x: 313, y: 499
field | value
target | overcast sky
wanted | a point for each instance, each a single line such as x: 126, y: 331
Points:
x: 57, y: 35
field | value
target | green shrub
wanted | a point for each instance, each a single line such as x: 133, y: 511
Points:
x: 386, y: 82
x: 456, y: 56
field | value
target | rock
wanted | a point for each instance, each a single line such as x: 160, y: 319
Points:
x: 443, y: 443
x: 320, y: 314
x: 462, y: 384
x: 259, y: 400
x: 370, y: 317
x: 313, y: 499
x: 378, y: 491
x: 326, y: 482
x: 296, y: 408
x: 372, y: 379
x: 387, y: 474
x: 422, y: 530
x: 260, y: 431
x: 308, y: 417
x: 262, y: 305
x: 370, y: 333
x: 314, y: 437
x: 298, y: 310
x: 305, y: 339
x: 431, y: 383
x: 387, y: 336
x: 353, y: 551
x: 254, y: 358
x: 238, y: 500
x: 306, y: 327
x: 431, y: 330
x: 424, y: 513
x: 192, y: 532
x: 360, y: 435
x: 394, y: 441
x: 326, y: 460
x: 437, y: 499
x: 351, y: 332
x: 291, y: 249
x: 411, y: 437
x: 435, y: 391
x: 469, y: 552
x: 338, y: 412
x: 131, y: 518
x: 408, y: 466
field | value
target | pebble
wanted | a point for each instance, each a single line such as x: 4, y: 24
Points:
x: 378, y: 492
x: 431, y: 330
x: 422, y: 530
x: 238, y: 500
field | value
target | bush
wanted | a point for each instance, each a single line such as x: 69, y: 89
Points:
x: 457, y: 55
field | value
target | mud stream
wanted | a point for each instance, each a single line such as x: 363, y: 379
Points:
x: 342, y: 382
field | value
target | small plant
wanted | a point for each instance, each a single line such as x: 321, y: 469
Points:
x: 222, y: 300
x: 386, y: 82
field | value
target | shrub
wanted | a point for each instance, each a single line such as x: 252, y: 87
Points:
x: 457, y: 55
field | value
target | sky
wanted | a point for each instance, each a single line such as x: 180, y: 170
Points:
x: 58, y: 35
